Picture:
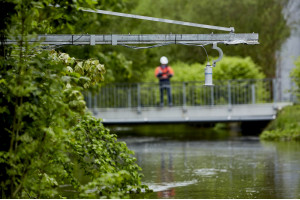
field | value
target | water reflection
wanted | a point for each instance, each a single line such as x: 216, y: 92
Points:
x: 243, y: 168
x: 166, y: 176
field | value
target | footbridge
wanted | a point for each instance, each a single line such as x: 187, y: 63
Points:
x: 232, y: 100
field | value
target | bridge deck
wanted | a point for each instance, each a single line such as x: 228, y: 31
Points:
x: 218, y: 113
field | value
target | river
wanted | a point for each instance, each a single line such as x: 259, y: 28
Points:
x: 239, y: 167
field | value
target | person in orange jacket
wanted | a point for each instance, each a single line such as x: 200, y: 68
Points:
x: 164, y: 73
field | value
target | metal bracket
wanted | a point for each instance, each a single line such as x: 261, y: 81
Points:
x: 92, y: 40
x: 220, y: 54
x: 114, y: 40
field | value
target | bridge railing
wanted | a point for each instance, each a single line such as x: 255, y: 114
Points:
x: 229, y: 92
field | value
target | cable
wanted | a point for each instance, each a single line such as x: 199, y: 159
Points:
x: 52, y: 47
x: 147, y: 47
x: 165, y: 44
x: 198, y: 45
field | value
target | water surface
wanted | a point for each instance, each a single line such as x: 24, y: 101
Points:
x: 242, y: 167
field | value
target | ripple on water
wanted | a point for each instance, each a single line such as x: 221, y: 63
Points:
x: 208, y: 171
x: 157, y: 187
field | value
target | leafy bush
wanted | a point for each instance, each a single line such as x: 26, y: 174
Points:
x: 108, y: 163
x: 44, y: 124
x: 50, y: 123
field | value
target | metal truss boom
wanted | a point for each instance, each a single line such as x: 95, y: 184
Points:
x: 120, y: 39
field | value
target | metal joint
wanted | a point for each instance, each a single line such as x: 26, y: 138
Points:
x: 220, y: 54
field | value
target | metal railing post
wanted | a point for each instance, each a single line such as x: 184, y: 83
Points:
x: 212, y: 95
x: 229, y: 96
x: 95, y: 101
x: 274, y: 91
x: 139, y: 97
x: 289, y: 91
x: 253, y: 93
x: 89, y: 100
x: 129, y: 97
x: 183, y: 96
x: 115, y: 97
x: 99, y: 96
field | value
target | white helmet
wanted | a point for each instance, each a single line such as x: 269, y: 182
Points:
x: 164, y: 60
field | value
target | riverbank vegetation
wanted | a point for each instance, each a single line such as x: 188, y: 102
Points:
x: 287, y: 125
x: 45, y: 127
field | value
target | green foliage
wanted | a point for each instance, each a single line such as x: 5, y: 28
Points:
x: 285, y: 127
x: 296, y: 71
x: 105, y: 161
x: 228, y: 68
x: 120, y: 69
x: 295, y: 74
x: 237, y: 68
x: 85, y: 73
x: 281, y: 135
x: 34, y: 123
x: 44, y: 124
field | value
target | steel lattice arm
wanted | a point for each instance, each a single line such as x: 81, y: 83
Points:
x: 119, y: 39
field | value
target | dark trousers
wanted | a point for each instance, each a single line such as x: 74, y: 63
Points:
x: 166, y: 87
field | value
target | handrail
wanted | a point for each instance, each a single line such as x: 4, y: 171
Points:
x: 190, y: 93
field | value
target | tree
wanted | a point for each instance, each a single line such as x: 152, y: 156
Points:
x: 260, y: 16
